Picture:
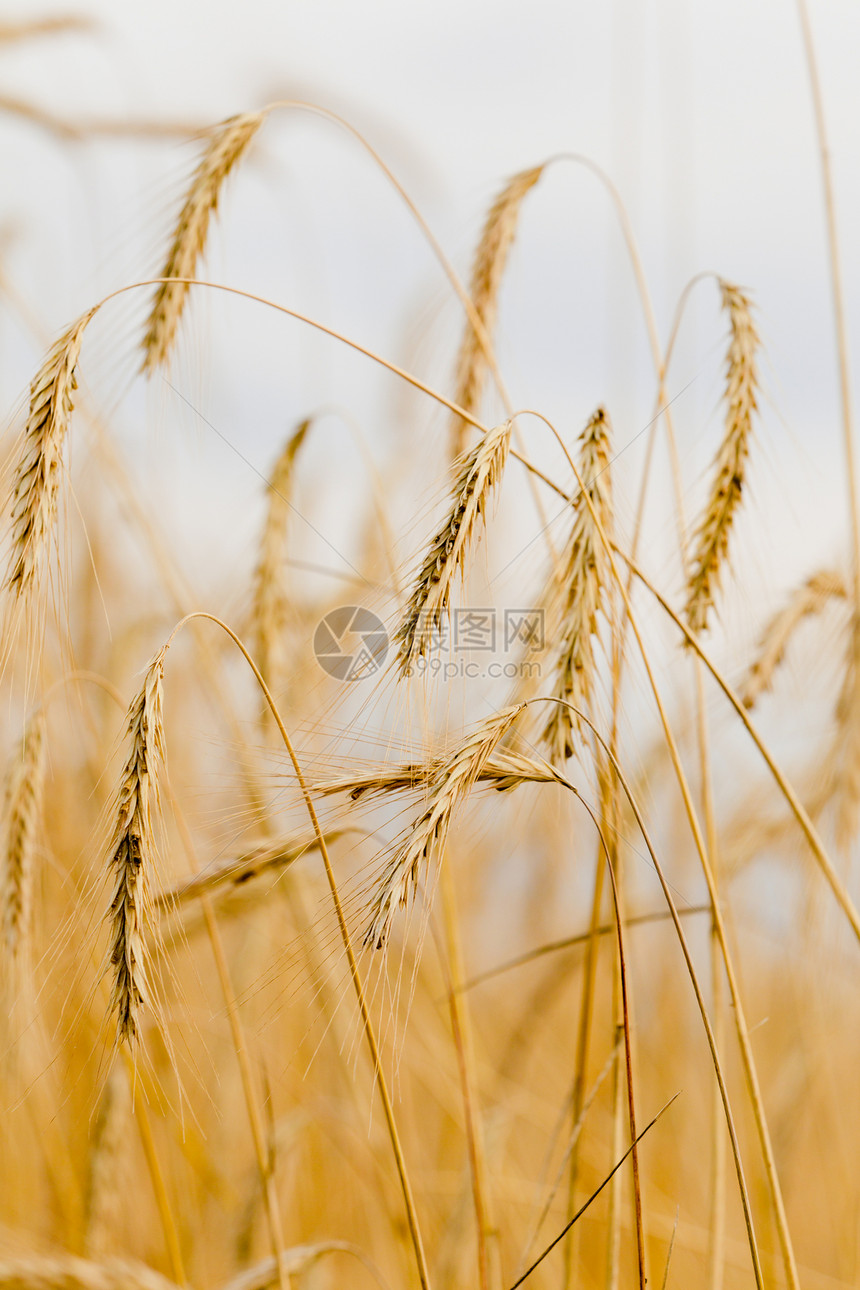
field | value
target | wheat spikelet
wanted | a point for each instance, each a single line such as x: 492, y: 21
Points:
x: 426, y: 842
x: 577, y: 590
x: 270, y: 602
x: 24, y: 788
x: 132, y: 851
x: 226, y: 146
x: 811, y: 598
x: 65, y: 1272
x: 503, y: 770
x: 480, y: 472
x: 712, y: 537
x: 488, y: 270
x: 36, y: 481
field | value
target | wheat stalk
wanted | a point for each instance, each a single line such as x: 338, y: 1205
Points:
x: 423, y: 848
x: 809, y: 599
x: 24, y: 789
x: 480, y: 472
x: 36, y: 480
x: 488, y: 269
x: 270, y: 601
x: 577, y: 590
x: 712, y: 536
x: 132, y: 851
x: 227, y: 145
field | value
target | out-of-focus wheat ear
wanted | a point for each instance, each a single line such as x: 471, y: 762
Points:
x: 712, y: 536
x: 845, y: 756
x: 25, y: 781
x: 66, y: 1272
x: 132, y: 853
x: 228, y: 143
x: 488, y: 270
x: 270, y: 610
x: 578, y: 589
x: 451, y: 782
x: 480, y: 472
x: 36, y: 478
x: 808, y: 600
x: 103, y: 1201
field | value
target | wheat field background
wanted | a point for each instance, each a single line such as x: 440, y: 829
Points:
x: 430, y: 649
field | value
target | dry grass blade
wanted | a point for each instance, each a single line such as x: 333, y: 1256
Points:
x: 487, y: 272
x: 36, y: 481
x: 132, y: 851
x: 65, y: 1272
x: 712, y: 538
x: 480, y: 472
x: 423, y: 848
x: 810, y: 599
x: 578, y: 588
x: 270, y: 601
x: 227, y: 145
x: 24, y: 788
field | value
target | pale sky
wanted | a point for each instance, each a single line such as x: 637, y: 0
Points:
x: 700, y: 113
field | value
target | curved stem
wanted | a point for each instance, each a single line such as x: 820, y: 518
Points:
x: 367, y: 1023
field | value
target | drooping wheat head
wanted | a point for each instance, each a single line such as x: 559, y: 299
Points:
x: 422, y: 850
x: 488, y: 269
x: 132, y: 853
x: 270, y: 610
x: 578, y: 591
x: 227, y: 145
x: 808, y: 600
x: 505, y: 769
x: 712, y: 535
x: 22, y: 809
x: 36, y: 480
x: 480, y: 473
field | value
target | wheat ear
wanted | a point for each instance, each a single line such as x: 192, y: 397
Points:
x: 809, y: 599
x: 36, y: 481
x: 578, y: 588
x: 270, y: 602
x: 24, y: 788
x: 480, y: 472
x: 425, y: 844
x: 505, y: 769
x: 132, y: 852
x: 488, y: 270
x: 712, y: 536
x: 228, y: 143
x: 66, y: 1272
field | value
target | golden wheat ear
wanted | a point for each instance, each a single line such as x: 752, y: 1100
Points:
x: 36, y: 479
x: 228, y: 144
x: 488, y: 269
x: 712, y: 536
x: 453, y: 778
x: 132, y: 853
x: 807, y: 601
x: 25, y: 781
x: 479, y: 474
x: 270, y: 601
x: 578, y: 588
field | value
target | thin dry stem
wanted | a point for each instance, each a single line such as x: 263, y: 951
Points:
x: 479, y: 474
x: 712, y: 538
x: 226, y: 147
